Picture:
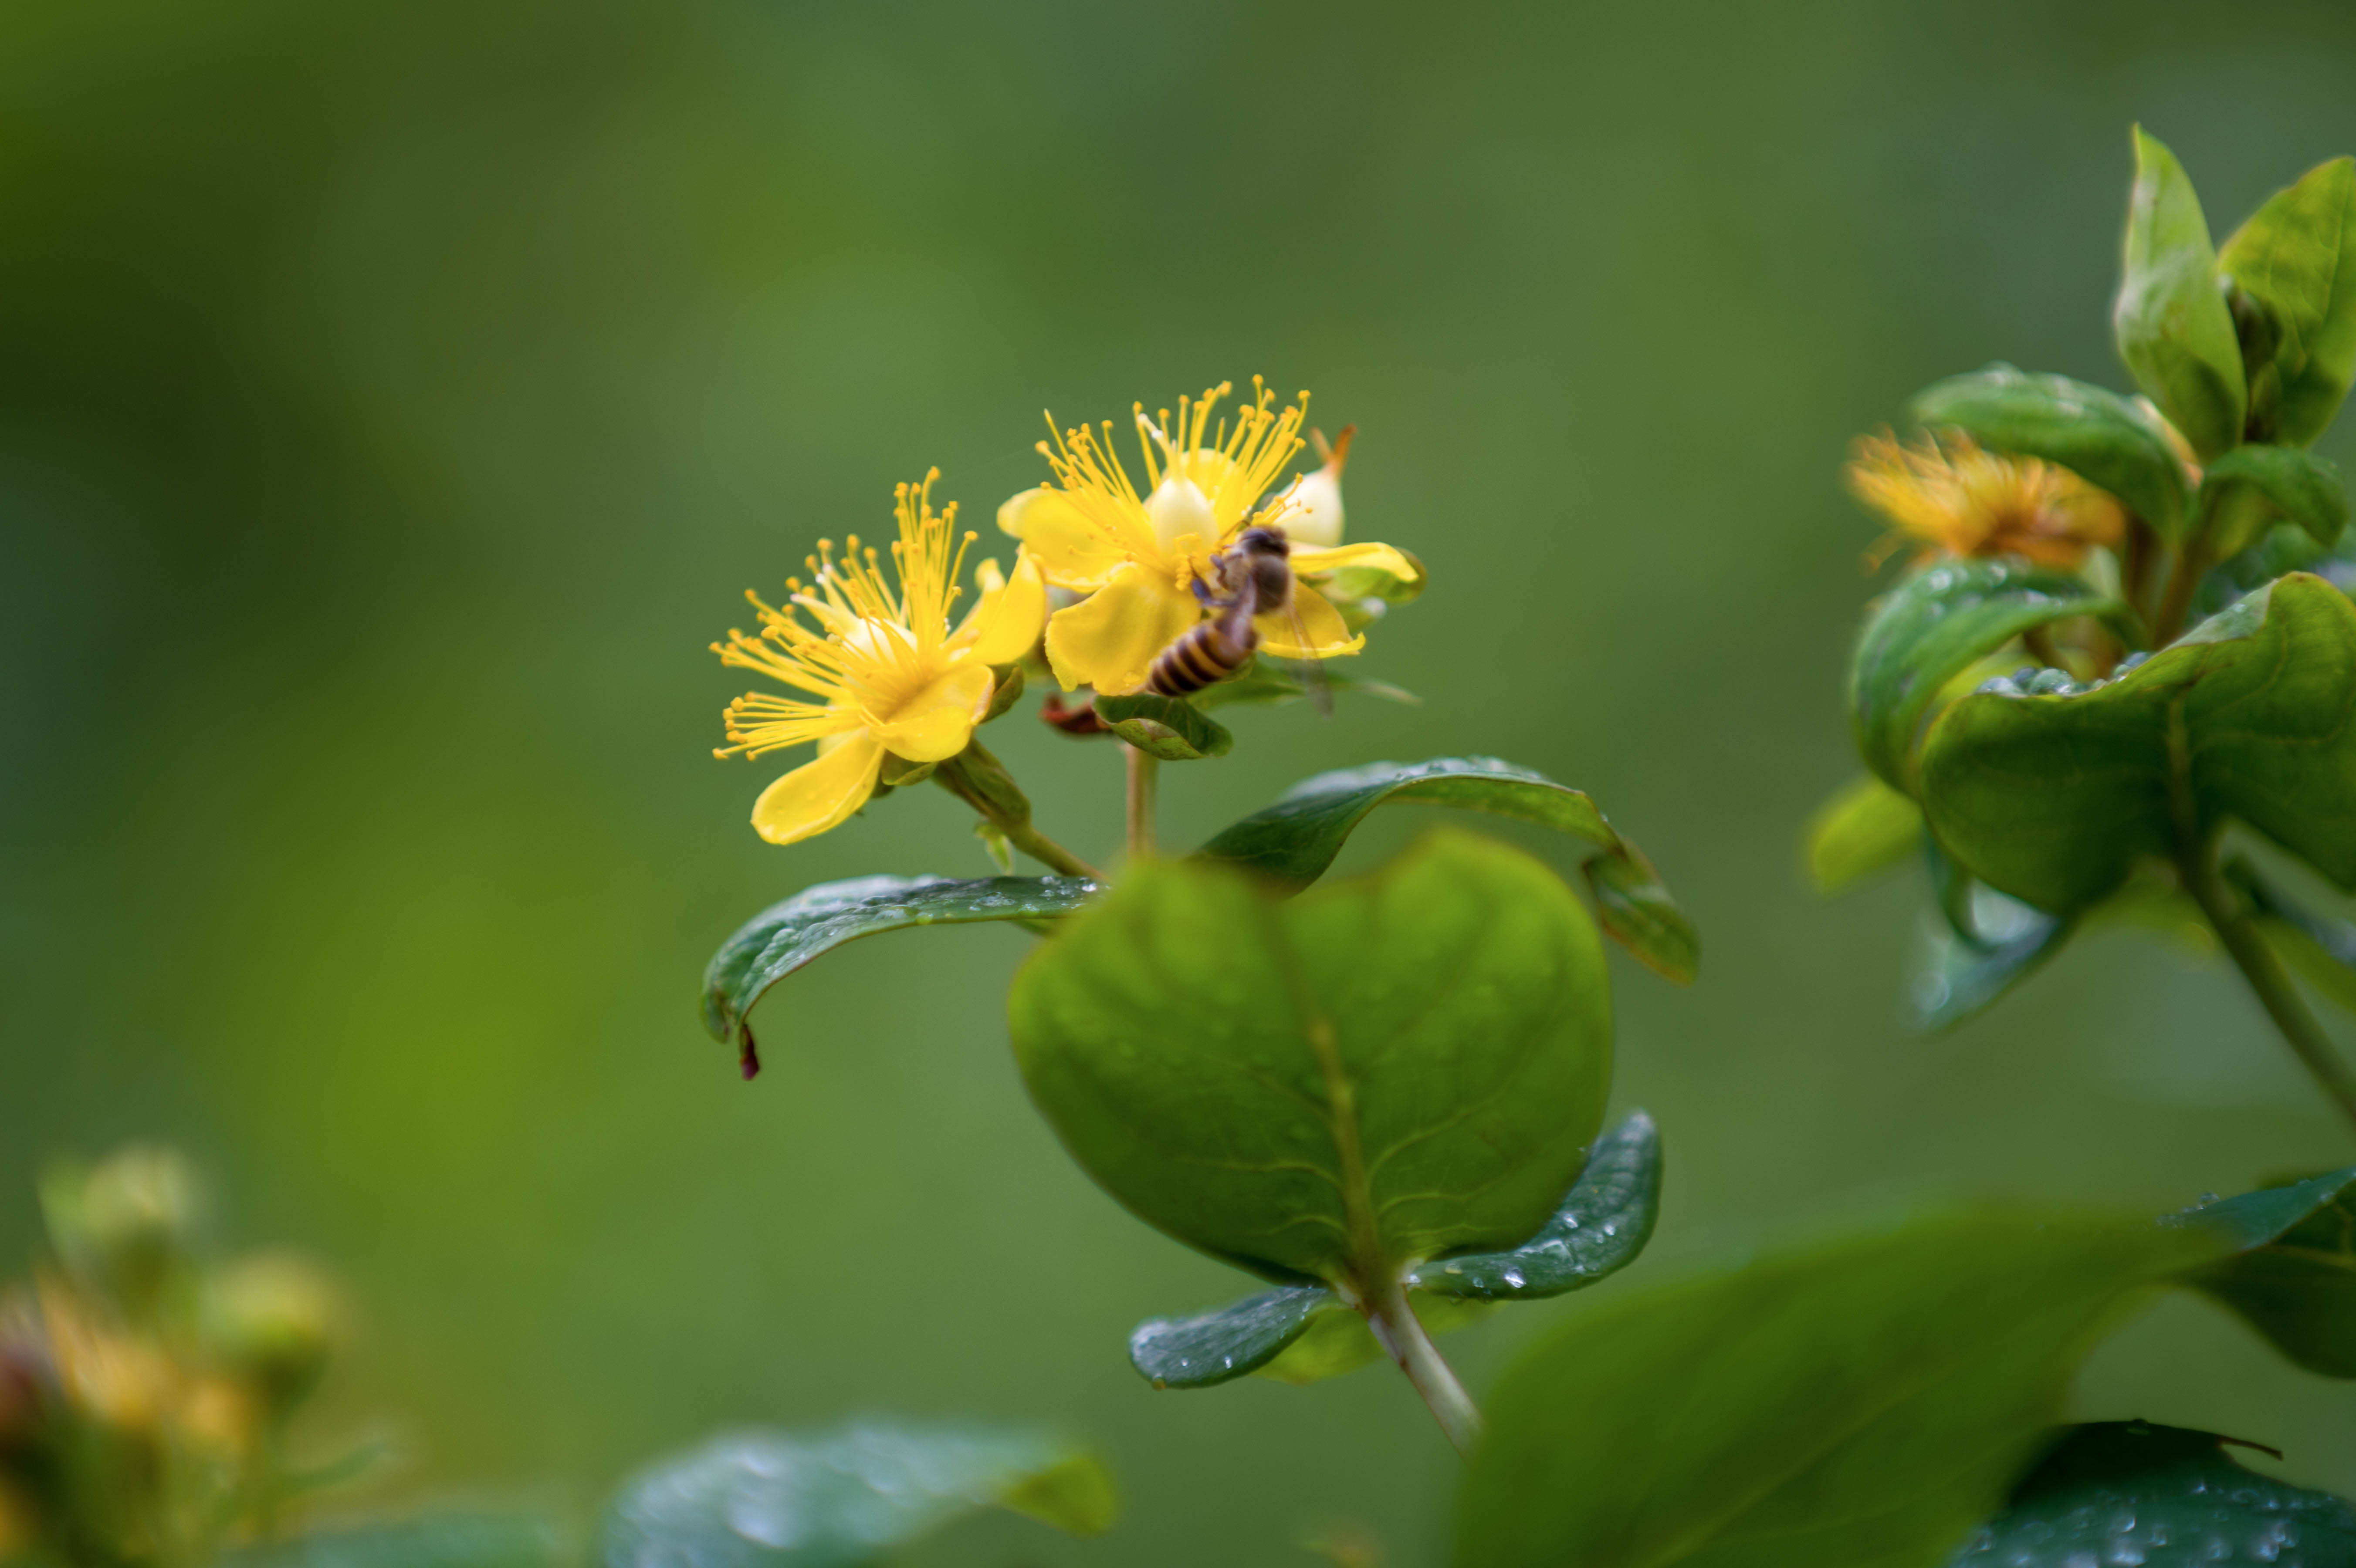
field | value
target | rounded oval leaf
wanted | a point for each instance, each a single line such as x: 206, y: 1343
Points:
x: 2298, y: 253
x: 1393, y: 1068
x: 2104, y: 439
x: 1940, y: 619
x: 1862, y: 828
x: 2285, y: 483
x: 1170, y: 728
x: 2052, y: 797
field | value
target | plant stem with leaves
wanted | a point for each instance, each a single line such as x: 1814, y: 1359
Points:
x: 1402, y: 1338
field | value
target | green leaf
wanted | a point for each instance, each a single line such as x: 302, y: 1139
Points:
x: 1865, y: 827
x: 774, y: 1499
x: 1940, y: 619
x: 1395, y: 1067
x: 1957, y: 977
x: 1290, y: 843
x: 2052, y: 797
x: 2104, y: 439
x: 2127, y: 1491
x: 1170, y: 728
x: 1302, y: 1333
x: 435, y: 1541
x: 2246, y: 491
x: 1863, y: 1402
x: 2299, y: 1289
x: 2298, y: 253
x: 2174, y: 330
x: 1270, y: 683
x: 784, y: 936
x: 2320, y: 949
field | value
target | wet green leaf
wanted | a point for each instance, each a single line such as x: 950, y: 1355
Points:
x: 2129, y: 1492
x: 1292, y: 842
x: 1170, y: 728
x: 786, y: 936
x: 1957, y: 977
x: 1395, y: 1067
x: 434, y: 1540
x: 2053, y: 797
x: 2251, y: 487
x: 2298, y: 253
x: 1866, y: 1400
x: 1940, y: 619
x: 775, y: 1500
x: 2104, y: 439
x: 2173, y: 328
x: 2299, y: 1289
x: 1304, y: 1333
x: 1864, y: 827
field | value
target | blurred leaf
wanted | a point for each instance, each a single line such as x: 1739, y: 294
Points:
x: 2129, y: 1492
x: 1638, y: 913
x: 1394, y: 1067
x: 1302, y: 1333
x: 2173, y: 328
x: 786, y: 936
x: 435, y: 1541
x: 1866, y: 1400
x: 1170, y: 728
x: 2298, y: 253
x: 1865, y: 827
x: 1292, y: 842
x: 1940, y: 619
x: 2299, y: 1290
x: 2320, y: 949
x: 1960, y: 975
x: 773, y: 1499
x: 1267, y: 682
x: 2052, y: 799
x: 2281, y: 481
x: 1355, y: 582
x: 1006, y: 693
x: 2281, y: 549
x: 2104, y: 439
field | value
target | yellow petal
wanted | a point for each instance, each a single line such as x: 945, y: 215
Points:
x: 1108, y: 639
x: 1005, y: 624
x: 1381, y: 557
x: 1072, y: 551
x: 820, y: 795
x: 1312, y: 630
x: 934, y: 725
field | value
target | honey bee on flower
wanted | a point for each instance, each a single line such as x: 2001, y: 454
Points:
x: 1149, y: 563
x: 883, y: 672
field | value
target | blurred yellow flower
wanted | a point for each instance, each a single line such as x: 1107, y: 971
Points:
x: 889, y: 673
x: 1951, y: 496
x: 1138, y: 557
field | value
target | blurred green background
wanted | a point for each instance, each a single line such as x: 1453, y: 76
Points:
x: 394, y: 401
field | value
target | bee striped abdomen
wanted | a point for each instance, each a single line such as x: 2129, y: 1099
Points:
x: 1207, y: 655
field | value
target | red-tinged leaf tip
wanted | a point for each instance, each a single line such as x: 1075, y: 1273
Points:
x: 748, y: 1061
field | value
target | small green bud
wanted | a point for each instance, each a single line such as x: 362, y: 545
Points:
x: 272, y: 1322
x: 125, y: 1224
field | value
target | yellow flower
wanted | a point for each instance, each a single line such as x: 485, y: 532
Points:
x: 888, y: 672
x: 1138, y: 557
x: 1951, y: 495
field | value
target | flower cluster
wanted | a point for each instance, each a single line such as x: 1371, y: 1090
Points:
x: 1108, y: 575
x: 1950, y: 496
x: 144, y: 1390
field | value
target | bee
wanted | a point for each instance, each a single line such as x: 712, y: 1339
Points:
x: 1255, y: 578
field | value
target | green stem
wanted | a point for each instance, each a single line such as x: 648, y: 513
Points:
x: 981, y: 781
x: 1143, y: 775
x: 1401, y: 1334
x: 2167, y: 625
x: 2196, y: 862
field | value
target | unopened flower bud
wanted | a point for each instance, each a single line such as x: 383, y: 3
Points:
x: 125, y: 1223
x: 1313, y: 511
x: 271, y: 1320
